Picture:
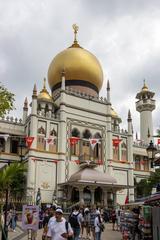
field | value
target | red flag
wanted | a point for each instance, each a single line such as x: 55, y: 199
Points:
x: 158, y: 141
x: 142, y: 162
x: 126, y: 200
x: 29, y: 141
x: 116, y: 142
x: 77, y: 161
x: 73, y: 140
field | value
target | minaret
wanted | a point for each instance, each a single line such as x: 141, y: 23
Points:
x: 130, y: 158
x: 145, y: 105
x: 108, y: 92
x: 25, y: 110
x: 109, y: 146
x: 33, y: 130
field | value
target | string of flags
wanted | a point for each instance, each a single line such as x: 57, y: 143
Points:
x: 72, y: 140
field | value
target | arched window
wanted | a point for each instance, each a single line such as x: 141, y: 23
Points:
x: 124, y: 151
x: 75, y: 148
x: 75, y: 132
x: 86, y: 150
x: 97, y: 153
x: 46, y: 109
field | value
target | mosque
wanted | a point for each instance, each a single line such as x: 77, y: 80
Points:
x: 77, y: 151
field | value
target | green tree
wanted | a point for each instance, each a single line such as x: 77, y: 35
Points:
x: 9, y: 178
x: 6, y: 100
x: 144, y: 187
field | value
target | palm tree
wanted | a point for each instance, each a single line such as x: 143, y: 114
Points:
x: 7, y: 175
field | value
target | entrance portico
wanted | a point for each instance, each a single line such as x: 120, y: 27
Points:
x: 90, y: 186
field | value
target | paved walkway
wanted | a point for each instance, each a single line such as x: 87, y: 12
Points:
x: 108, y: 234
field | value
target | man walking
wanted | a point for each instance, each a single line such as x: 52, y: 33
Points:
x: 57, y: 228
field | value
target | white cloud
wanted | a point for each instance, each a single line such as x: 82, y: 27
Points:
x: 124, y: 35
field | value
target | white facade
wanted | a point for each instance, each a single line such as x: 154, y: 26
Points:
x: 69, y: 113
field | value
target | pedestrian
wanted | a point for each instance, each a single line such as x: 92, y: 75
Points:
x: 75, y: 219
x: 93, y: 215
x: 99, y: 227
x: 82, y: 222
x: 87, y: 222
x: 59, y: 228
x: 113, y: 217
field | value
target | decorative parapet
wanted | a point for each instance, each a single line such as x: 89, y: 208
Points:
x: 9, y: 119
x: 74, y: 92
x: 140, y: 144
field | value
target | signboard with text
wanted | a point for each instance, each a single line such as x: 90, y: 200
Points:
x: 30, y: 217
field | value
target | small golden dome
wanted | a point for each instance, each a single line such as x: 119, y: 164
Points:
x: 113, y: 113
x: 79, y: 64
x: 44, y: 95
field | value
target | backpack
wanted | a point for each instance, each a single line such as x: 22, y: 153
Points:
x: 73, y: 220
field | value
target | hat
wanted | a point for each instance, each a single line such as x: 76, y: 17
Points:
x: 86, y: 210
x: 98, y: 212
x: 59, y: 210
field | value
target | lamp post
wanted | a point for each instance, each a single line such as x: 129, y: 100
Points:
x: 151, y: 151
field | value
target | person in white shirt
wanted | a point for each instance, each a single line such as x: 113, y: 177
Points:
x: 57, y: 228
x: 97, y: 222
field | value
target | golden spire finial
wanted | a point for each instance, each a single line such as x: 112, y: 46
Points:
x: 144, y: 88
x: 75, y: 28
x: 44, y: 83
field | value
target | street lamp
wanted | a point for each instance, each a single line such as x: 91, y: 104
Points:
x: 151, y: 151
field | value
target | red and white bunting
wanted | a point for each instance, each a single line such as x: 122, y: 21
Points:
x: 29, y: 141
x: 50, y: 140
x: 158, y: 141
x: 116, y: 142
x: 5, y: 136
x: 93, y: 142
x: 73, y: 140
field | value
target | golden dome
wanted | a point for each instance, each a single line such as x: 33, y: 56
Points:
x: 79, y: 64
x: 44, y: 93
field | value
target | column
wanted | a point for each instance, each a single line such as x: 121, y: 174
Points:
x: 92, y: 196
x: 105, y: 198
x: 81, y: 197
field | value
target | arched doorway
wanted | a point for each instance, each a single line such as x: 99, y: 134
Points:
x: 87, y: 195
x: 98, y: 195
x: 75, y: 195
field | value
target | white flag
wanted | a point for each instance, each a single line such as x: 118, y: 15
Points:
x: 50, y: 140
x: 93, y: 142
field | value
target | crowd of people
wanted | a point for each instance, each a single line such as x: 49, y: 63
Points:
x: 82, y: 222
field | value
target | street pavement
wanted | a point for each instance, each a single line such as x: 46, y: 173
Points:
x: 108, y: 234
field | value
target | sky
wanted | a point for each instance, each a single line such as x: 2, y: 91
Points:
x: 124, y: 36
